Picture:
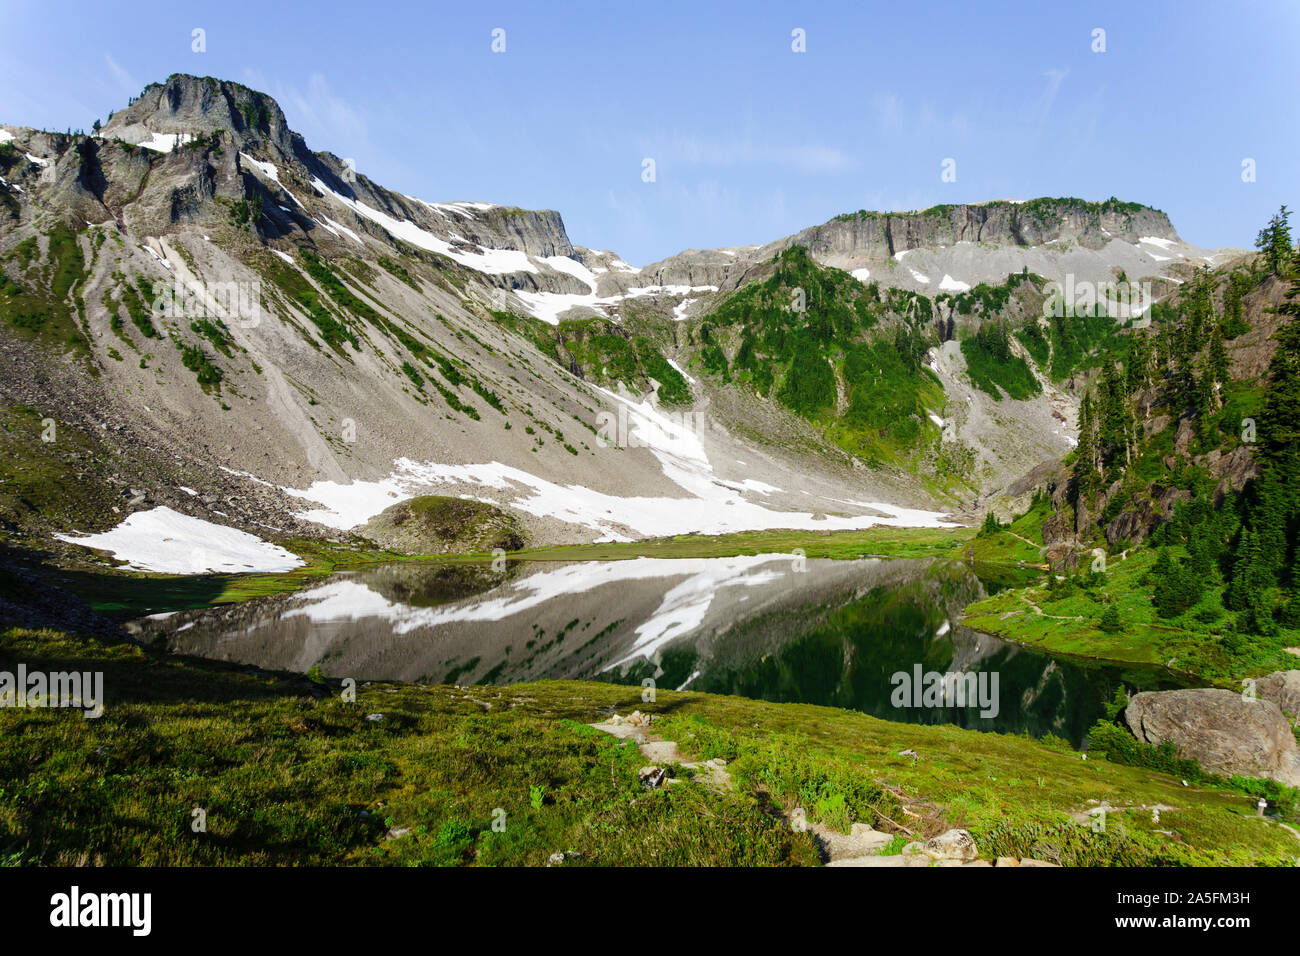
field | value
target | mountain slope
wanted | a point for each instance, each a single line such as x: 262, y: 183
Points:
x: 246, y: 327
x: 242, y: 330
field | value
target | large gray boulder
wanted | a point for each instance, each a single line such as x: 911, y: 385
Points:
x: 1225, y: 732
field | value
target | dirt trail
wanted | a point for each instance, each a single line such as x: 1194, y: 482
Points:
x: 863, y: 845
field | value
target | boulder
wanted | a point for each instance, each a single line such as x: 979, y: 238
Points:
x: 652, y: 777
x: 1226, y: 733
x: 861, y: 840
x: 951, y: 845
x: 1283, y: 689
x: 1061, y: 557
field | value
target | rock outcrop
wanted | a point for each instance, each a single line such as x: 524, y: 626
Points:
x: 1283, y: 689
x: 433, y: 524
x: 1224, y: 731
x: 881, y: 234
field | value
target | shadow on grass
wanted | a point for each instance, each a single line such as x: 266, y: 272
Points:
x: 135, y: 673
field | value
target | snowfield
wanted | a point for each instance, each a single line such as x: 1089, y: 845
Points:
x: 490, y: 261
x: 167, y: 541
x: 707, y: 504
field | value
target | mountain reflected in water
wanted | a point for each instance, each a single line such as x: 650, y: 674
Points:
x: 771, y: 627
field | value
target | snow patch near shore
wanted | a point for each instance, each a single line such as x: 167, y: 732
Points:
x: 167, y: 541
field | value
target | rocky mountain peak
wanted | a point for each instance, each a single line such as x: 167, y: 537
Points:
x: 186, y: 107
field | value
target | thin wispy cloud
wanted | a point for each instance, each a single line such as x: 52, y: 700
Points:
x: 808, y: 158
x: 121, y: 78
x: 1042, y: 107
x: 894, y: 114
x: 328, y: 121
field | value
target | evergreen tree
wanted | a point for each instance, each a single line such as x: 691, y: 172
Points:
x: 1274, y: 240
x: 1115, y: 418
x: 1199, y: 306
x: 1234, y: 322
x: 1177, y: 586
x: 1219, y: 365
x: 1137, y: 365
x: 1205, y: 402
x: 1085, y: 463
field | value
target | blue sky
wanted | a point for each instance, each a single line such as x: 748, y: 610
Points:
x: 751, y: 140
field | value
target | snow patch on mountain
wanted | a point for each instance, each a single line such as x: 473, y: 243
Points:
x: 167, y: 541
x: 709, y: 506
x: 490, y: 261
x: 267, y: 169
x: 165, y: 142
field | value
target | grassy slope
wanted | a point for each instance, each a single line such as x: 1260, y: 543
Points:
x: 1191, y: 643
x: 1069, y: 624
x: 286, y: 779
x: 816, y: 340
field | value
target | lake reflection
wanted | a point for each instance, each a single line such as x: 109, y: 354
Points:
x: 765, y: 626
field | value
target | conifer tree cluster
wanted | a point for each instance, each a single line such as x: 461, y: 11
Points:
x: 1181, y: 367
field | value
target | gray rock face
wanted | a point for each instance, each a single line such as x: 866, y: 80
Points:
x: 880, y: 235
x: 1232, y: 471
x: 1224, y: 732
x: 200, y: 106
x: 251, y: 122
x: 1283, y: 689
x: 538, y: 232
x: 1134, y: 524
